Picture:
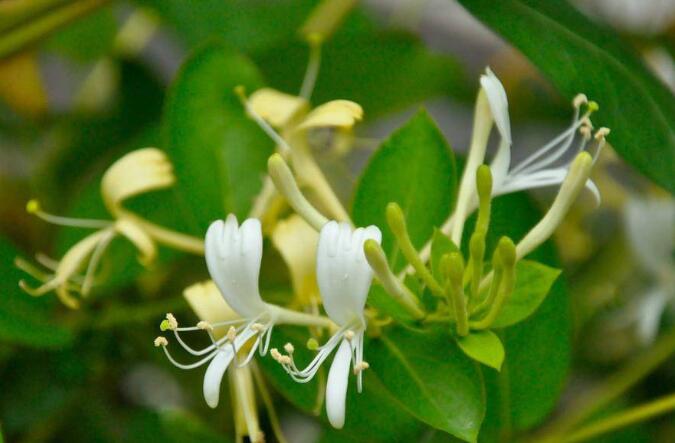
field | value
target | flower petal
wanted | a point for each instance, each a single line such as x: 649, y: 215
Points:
x: 214, y: 376
x: 650, y: 310
x: 336, y: 386
x: 233, y: 256
x: 334, y: 114
x: 499, y: 105
x: 296, y: 241
x: 278, y: 108
x: 343, y: 274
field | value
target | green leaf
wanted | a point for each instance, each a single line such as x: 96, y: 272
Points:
x: 440, y: 245
x: 386, y: 305
x: 533, y: 283
x: 415, y: 168
x: 578, y: 55
x: 25, y: 320
x: 431, y: 378
x: 484, y: 347
x: 219, y: 154
x: 379, y: 69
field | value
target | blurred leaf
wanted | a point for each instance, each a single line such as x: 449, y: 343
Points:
x: 414, y: 167
x: 219, y: 154
x: 537, y: 349
x: 380, y: 70
x: 484, y: 347
x: 431, y: 378
x: 87, y: 39
x: 25, y: 320
x: 578, y: 55
x: 170, y: 427
x: 386, y: 305
x: 246, y: 25
x: 533, y: 283
x: 21, y: 84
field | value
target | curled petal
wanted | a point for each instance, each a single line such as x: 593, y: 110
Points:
x: 499, y: 105
x: 233, y: 256
x: 296, y: 241
x: 141, y: 240
x: 334, y: 114
x: 214, y: 376
x: 207, y: 302
x: 336, y: 386
x: 277, y: 108
x: 343, y: 274
x: 137, y: 172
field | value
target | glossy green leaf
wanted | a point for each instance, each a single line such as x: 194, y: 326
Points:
x: 25, y: 320
x: 219, y: 154
x: 484, y: 347
x: 415, y: 168
x: 440, y: 245
x: 533, y: 283
x: 372, y: 415
x: 578, y: 55
x: 431, y: 378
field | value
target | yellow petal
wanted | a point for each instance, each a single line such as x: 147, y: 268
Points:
x: 277, y: 108
x: 334, y: 114
x: 206, y: 301
x: 137, y: 172
x: 296, y: 241
x: 141, y: 240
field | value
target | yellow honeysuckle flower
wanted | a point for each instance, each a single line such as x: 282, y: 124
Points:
x: 296, y: 241
x: 137, y: 172
x: 279, y: 109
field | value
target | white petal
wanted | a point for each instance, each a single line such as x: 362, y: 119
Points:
x: 343, y: 274
x: 650, y: 225
x: 651, y: 308
x: 499, y: 104
x: 214, y: 376
x: 233, y: 256
x: 500, y: 165
x: 336, y: 386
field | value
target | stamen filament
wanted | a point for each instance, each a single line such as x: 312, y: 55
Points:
x: 33, y: 207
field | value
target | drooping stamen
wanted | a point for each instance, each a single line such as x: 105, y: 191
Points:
x: 309, y: 81
x: 33, y: 207
x: 94, y: 261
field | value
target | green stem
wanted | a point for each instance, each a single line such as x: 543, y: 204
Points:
x: 637, y: 414
x: 616, y: 385
x: 18, y: 38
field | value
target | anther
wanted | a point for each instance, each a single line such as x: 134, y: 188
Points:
x: 312, y: 344
x: 161, y: 341
x: 288, y: 347
x: 579, y: 100
x: 204, y: 325
x: 349, y: 334
x: 169, y: 323
x: 359, y: 367
x: 593, y: 106
x: 602, y: 133
x: 585, y: 132
x: 276, y: 356
x: 33, y: 206
x: 231, y: 334
x: 257, y: 327
x: 284, y: 360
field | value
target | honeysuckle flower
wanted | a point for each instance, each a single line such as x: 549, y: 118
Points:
x: 233, y: 256
x: 344, y: 278
x: 547, y: 166
x: 138, y: 172
x: 650, y: 228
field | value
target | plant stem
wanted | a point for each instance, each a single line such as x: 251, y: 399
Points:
x: 637, y: 414
x: 615, y: 385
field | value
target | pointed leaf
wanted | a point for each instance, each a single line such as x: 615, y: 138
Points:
x: 484, y: 347
x: 415, y: 168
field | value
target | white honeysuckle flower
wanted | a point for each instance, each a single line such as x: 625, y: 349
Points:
x: 650, y: 228
x: 344, y: 278
x: 543, y: 167
x: 233, y: 256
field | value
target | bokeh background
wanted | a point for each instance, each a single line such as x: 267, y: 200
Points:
x: 76, y: 96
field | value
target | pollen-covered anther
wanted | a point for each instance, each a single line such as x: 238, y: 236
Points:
x: 284, y: 360
x: 161, y: 341
x: 258, y: 327
x: 360, y: 367
x: 33, y: 206
x: 289, y: 348
x: 231, y: 334
x: 172, y: 322
x: 312, y: 344
x: 579, y: 100
x: 349, y: 334
x: 274, y: 353
x: 585, y: 132
x: 205, y: 326
x: 601, y: 133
